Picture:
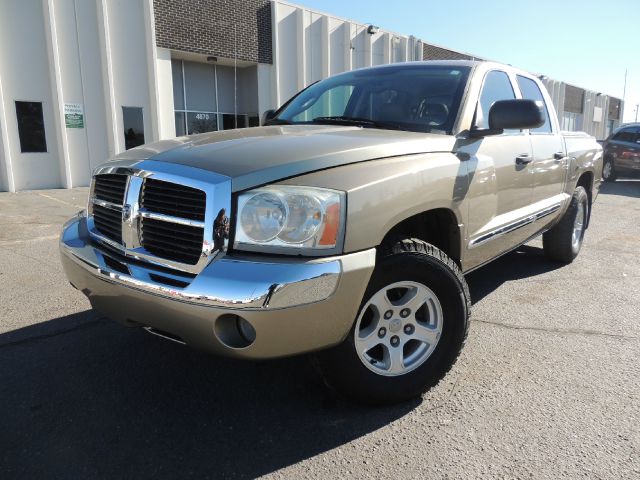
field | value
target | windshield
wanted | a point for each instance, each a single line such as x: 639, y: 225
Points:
x: 418, y: 98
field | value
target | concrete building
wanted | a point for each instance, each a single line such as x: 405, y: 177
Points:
x: 82, y: 80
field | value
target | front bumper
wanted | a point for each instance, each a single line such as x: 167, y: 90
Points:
x: 293, y: 305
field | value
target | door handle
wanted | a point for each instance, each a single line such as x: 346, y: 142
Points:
x: 558, y: 156
x: 523, y: 159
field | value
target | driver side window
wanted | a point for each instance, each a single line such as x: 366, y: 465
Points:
x: 496, y: 86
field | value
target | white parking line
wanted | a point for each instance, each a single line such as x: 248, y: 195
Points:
x: 58, y: 200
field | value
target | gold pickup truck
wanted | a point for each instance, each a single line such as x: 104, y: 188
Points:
x: 344, y: 226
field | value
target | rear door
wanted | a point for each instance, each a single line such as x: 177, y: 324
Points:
x: 626, y: 148
x: 549, y: 159
x: 500, y: 185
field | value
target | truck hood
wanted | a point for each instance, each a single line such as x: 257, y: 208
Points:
x: 257, y: 156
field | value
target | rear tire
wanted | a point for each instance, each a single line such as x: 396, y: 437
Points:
x: 410, y: 329
x: 608, y: 170
x: 563, y: 242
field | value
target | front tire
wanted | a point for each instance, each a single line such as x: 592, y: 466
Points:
x: 609, y: 170
x: 410, y: 329
x: 563, y: 242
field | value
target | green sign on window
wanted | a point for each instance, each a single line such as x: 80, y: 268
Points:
x: 73, y: 115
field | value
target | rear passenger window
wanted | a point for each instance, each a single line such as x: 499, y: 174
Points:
x: 626, y: 135
x: 531, y: 91
x: 496, y: 86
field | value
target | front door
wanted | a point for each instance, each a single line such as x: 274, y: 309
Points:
x: 500, y: 180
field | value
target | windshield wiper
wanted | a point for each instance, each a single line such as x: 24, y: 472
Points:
x: 362, y: 122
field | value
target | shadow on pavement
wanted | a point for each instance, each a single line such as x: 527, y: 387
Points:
x: 524, y: 262
x: 625, y: 188
x: 83, y: 397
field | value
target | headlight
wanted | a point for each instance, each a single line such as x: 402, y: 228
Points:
x: 287, y: 219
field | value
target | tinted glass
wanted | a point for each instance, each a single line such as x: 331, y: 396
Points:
x: 133, y: 122
x: 201, y: 122
x: 200, y: 81
x: 31, y: 127
x: 625, y: 135
x: 226, y: 89
x: 496, y: 86
x: 332, y: 102
x: 229, y: 122
x: 180, y: 125
x: 178, y: 87
x: 530, y: 91
x: 408, y: 97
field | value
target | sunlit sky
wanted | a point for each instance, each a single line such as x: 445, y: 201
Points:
x: 586, y: 43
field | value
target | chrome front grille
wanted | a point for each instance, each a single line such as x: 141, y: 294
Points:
x: 181, y: 243
x: 164, y: 215
x: 168, y: 235
x: 108, y: 193
x: 173, y: 199
x: 110, y: 188
x: 108, y: 222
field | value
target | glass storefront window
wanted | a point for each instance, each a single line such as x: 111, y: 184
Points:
x: 201, y: 122
x: 200, y: 83
x: 229, y: 123
x: 572, y: 121
x: 204, y: 99
x: 180, y: 125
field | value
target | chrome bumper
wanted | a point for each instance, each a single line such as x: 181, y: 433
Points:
x: 293, y: 305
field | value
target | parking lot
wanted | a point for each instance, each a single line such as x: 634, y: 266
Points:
x: 547, y: 386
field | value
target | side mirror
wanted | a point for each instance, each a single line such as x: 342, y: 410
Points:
x: 515, y: 114
x: 268, y: 115
x: 511, y: 114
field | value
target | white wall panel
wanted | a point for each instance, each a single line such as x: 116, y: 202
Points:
x: 167, y: 121
x: 71, y: 85
x: 337, y: 63
x: 131, y: 84
x: 24, y: 67
x: 287, y: 45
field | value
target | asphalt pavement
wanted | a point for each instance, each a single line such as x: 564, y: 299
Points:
x: 548, y: 385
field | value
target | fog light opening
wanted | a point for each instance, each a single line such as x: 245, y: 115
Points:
x: 234, y: 331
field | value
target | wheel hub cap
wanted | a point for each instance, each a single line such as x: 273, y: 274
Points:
x: 396, y: 344
x: 395, y: 325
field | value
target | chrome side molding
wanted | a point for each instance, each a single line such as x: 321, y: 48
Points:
x: 510, y: 227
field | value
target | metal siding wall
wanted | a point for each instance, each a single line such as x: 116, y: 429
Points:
x: 310, y: 46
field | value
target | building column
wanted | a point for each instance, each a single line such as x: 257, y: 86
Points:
x: 5, y: 157
x: 326, y: 48
x: 368, y: 48
x: 56, y: 92
x: 386, y: 48
x: 275, y: 75
x: 152, y: 69
x: 301, y: 22
x: 348, y: 58
x: 107, y: 74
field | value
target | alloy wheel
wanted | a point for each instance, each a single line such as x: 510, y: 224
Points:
x: 398, y: 328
